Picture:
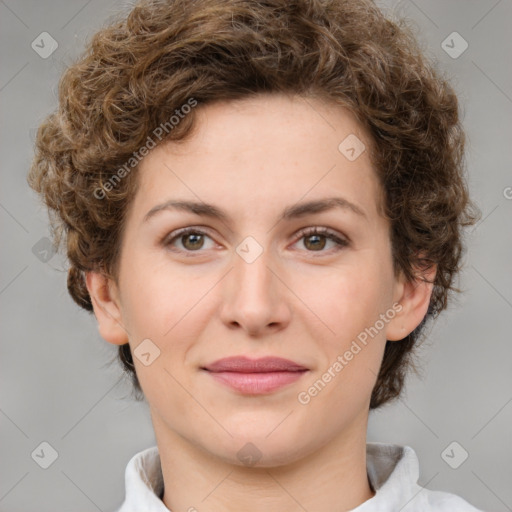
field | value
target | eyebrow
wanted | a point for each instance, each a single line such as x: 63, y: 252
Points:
x: 291, y: 212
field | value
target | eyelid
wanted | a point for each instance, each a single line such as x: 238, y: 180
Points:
x: 177, y: 233
x: 339, y: 239
x: 321, y: 230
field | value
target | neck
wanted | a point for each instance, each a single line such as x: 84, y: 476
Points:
x: 330, y: 478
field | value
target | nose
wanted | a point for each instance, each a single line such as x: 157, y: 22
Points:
x: 255, y: 297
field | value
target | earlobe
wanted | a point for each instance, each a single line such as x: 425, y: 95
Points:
x: 414, y: 298
x: 105, y: 302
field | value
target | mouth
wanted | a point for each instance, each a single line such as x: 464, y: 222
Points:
x: 255, y: 376
x: 244, y: 364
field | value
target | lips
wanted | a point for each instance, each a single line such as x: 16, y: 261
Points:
x: 255, y: 376
x: 242, y: 364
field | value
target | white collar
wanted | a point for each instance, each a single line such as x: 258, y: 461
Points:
x: 393, y: 472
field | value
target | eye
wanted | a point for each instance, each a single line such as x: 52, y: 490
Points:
x: 191, y: 240
x: 316, y: 238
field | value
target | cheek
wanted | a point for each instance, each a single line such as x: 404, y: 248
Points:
x: 353, y: 298
x: 164, y: 304
x: 352, y: 302
x: 152, y: 298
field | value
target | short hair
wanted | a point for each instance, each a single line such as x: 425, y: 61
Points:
x: 143, y: 66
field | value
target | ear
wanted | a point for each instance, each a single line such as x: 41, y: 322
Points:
x: 105, y: 302
x: 414, y: 298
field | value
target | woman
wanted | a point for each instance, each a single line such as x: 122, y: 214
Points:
x: 262, y: 204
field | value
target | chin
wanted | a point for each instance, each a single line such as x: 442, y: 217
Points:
x: 261, y: 451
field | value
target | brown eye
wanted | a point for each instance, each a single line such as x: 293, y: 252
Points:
x: 315, y: 242
x: 187, y: 240
x: 192, y: 241
x: 315, y: 239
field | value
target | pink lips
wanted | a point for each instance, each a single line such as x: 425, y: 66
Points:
x: 255, y: 376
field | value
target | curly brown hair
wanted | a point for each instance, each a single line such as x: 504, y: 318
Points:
x: 143, y: 66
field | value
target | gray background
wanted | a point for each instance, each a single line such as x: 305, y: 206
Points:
x: 57, y: 385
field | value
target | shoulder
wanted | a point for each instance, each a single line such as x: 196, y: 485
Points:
x: 393, y: 471
x: 440, y: 501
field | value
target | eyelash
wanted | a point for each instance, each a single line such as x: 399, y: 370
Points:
x: 340, y: 242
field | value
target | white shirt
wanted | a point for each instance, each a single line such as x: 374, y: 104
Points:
x: 392, y: 470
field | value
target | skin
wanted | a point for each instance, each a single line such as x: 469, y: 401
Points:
x: 303, y: 298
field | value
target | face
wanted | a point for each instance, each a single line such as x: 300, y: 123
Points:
x: 275, y: 275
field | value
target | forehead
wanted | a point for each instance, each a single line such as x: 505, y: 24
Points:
x: 261, y: 151
x: 261, y: 122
